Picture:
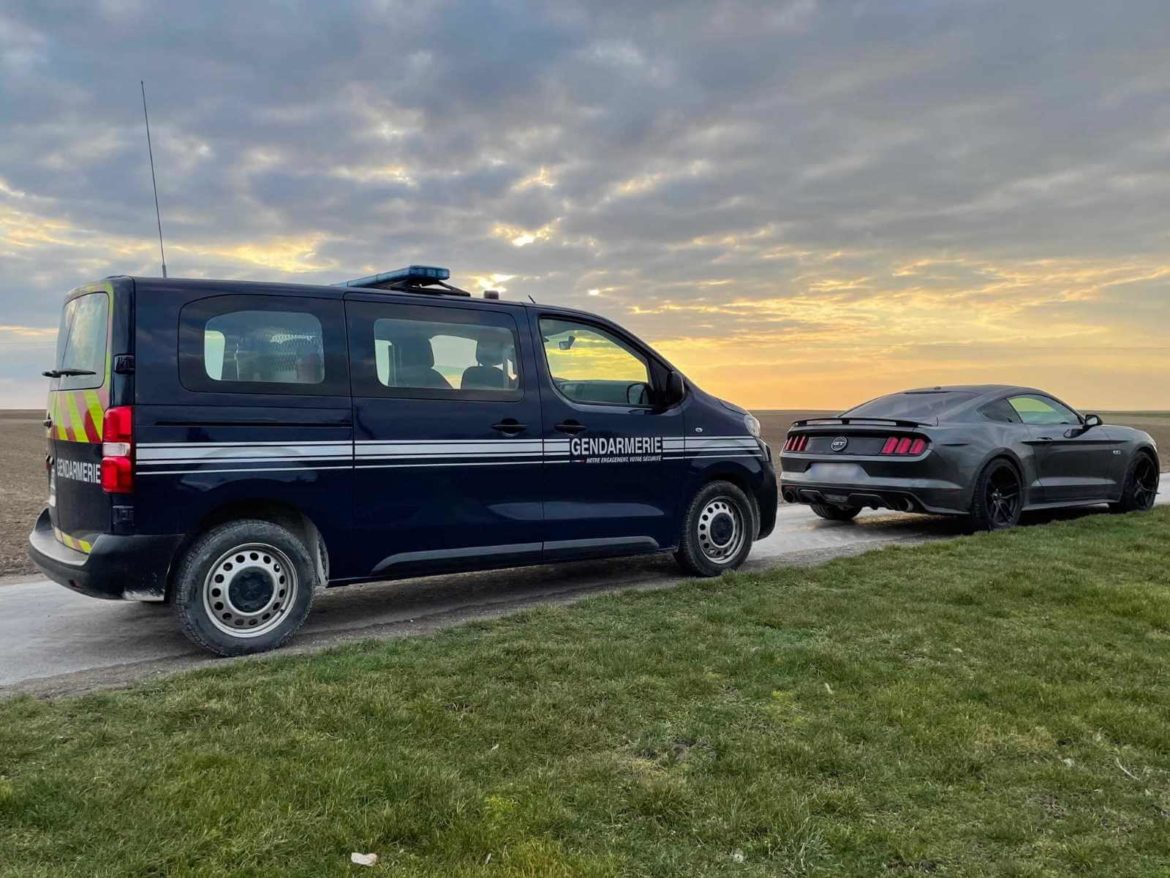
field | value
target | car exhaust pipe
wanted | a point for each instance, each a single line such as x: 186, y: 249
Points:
x: 790, y: 497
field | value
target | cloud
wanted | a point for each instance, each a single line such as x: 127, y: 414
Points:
x: 777, y: 192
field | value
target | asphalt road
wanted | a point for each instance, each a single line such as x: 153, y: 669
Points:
x: 53, y: 641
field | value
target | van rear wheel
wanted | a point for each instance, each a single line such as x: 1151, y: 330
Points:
x: 718, y: 530
x: 244, y: 587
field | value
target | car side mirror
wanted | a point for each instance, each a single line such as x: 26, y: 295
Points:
x: 675, y: 390
x: 1092, y: 421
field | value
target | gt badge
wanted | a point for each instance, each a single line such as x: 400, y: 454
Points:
x: 839, y: 443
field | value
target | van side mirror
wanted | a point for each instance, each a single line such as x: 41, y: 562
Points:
x: 1092, y: 421
x: 675, y: 390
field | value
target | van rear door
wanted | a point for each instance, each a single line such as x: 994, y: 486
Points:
x: 78, y: 397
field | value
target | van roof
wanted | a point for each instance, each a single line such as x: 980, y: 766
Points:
x: 162, y: 285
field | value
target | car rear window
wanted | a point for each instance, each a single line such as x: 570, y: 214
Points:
x: 81, y: 341
x: 917, y: 406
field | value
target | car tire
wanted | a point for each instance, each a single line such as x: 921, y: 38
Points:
x: 244, y: 587
x: 718, y: 530
x: 1140, y: 488
x: 829, y: 512
x: 998, y: 498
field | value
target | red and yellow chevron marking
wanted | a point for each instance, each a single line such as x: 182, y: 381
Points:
x: 76, y: 415
x: 73, y: 542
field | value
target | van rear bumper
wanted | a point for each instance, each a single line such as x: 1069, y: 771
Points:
x: 117, y: 568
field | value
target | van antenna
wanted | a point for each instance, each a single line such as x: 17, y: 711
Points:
x: 530, y: 299
x: 150, y: 151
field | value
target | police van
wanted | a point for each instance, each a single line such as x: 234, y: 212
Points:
x: 228, y: 447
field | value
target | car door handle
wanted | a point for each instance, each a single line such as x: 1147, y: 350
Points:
x: 510, y: 426
x: 571, y: 427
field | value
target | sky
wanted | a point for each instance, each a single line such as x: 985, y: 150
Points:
x: 801, y: 203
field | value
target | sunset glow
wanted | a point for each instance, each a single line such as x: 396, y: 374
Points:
x: 801, y: 204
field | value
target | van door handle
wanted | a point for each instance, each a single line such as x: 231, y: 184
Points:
x: 510, y: 426
x: 570, y: 427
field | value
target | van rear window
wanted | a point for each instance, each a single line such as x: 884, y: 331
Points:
x: 280, y: 347
x: 81, y: 341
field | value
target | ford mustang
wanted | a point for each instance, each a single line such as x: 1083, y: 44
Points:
x: 990, y: 452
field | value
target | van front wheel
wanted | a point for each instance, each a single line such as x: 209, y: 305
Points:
x: 244, y: 587
x: 717, y: 532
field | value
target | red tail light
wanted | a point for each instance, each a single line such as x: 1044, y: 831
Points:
x: 904, y: 445
x: 118, y: 450
x: 796, y: 443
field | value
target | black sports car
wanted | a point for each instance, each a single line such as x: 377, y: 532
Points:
x: 987, y: 451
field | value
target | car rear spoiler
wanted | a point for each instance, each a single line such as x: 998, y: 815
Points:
x: 828, y: 422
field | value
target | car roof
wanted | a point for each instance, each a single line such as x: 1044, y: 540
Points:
x: 978, y: 389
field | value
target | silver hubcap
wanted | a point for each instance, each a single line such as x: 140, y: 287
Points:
x: 721, y: 531
x: 250, y: 590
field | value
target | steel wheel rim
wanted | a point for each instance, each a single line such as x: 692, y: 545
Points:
x: 721, y: 530
x: 250, y: 590
x: 1003, y: 497
x: 1145, y: 483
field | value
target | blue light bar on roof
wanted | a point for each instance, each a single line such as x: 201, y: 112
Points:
x: 412, y: 274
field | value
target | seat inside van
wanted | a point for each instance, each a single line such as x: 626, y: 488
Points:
x: 488, y: 373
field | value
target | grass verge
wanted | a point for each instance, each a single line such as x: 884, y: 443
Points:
x: 998, y: 704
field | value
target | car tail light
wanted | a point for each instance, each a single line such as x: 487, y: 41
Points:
x: 796, y: 443
x: 118, y: 450
x: 904, y: 445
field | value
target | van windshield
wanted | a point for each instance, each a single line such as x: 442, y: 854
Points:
x: 81, y: 341
x: 918, y: 406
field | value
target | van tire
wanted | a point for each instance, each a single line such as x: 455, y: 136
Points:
x: 258, y: 563
x: 718, y: 530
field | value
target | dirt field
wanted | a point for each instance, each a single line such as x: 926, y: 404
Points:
x: 22, y: 456
x: 25, y: 487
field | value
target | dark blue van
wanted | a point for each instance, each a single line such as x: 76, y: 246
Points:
x: 228, y: 447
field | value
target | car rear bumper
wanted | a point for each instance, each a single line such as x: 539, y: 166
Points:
x: 859, y: 489
x: 117, y: 567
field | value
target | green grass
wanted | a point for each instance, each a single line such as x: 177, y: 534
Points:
x: 994, y: 705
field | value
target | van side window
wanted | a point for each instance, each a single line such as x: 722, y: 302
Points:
x: 273, y: 345
x: 589, y: 365
x: 445, y: 356
x: 426, y: 352
x: 285, y: 347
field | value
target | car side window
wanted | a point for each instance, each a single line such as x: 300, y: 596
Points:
x: 1041, y: 411
x: 589, y: 365
x: 429, y: 352
x: 1001, y: 411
